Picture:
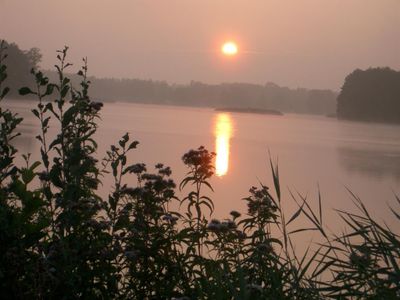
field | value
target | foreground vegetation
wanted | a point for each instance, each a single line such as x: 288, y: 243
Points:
x: 60, y: 239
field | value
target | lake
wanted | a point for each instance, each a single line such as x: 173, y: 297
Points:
x: 311, y: 151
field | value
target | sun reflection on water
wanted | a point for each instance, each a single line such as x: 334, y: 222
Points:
x: 223, y: 133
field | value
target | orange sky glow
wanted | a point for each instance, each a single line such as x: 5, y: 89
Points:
x: 310, y: 43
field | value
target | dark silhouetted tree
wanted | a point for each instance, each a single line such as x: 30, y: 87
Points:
x: 370, y: 95
x: 34, y: 57
x: 20, y: 63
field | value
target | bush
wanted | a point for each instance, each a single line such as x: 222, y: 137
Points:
x: 60, y: 239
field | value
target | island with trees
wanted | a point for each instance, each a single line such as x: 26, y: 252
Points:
x: 370, y: 95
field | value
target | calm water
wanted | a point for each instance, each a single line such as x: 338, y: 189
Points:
x: 311, y: 151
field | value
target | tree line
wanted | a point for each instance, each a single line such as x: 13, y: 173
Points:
x: 236, y: 95
x: 366, y: 95
x: 20, y: 63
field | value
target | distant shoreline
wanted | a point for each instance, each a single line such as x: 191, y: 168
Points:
x: 249, y: 110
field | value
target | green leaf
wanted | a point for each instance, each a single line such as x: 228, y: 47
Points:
x: 295, y: 215
x: 303, y: 229
x: 25, y: 91
x: 4, y: 92
x: 27, y: 175
x: 39, y: 138
x: 69, y: 115
x: 44, y: 81
x: 133, y: 145
x: 36, y: 113
x: 49, y: 89
x: 65, y: 81
x: 64, y: 91
x: 275, y: 176
x: 35, y: 165
x: 46, y: 122
x: 3, y: 77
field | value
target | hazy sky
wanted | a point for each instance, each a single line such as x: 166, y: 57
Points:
x: 297, y: 43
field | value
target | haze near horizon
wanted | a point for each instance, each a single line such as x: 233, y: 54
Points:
x: 311, y: 43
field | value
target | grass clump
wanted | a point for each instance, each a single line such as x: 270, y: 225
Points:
x: 60, y: 239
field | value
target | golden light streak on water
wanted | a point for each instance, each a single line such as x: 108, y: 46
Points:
x: 223, y: 133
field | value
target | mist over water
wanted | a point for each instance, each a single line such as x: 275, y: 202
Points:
x: 311, y: 151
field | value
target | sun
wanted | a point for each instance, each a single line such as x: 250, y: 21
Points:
x: 229, y: 48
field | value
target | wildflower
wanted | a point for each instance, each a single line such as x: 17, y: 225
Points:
x: 255, y: 287
x: 260, y: 204
x: 104, y: 224
x: 231, y: 224
x: 44, y: 176
x: 360, y: 260
x: 201, y: 162
x: 96, y: 106
x: 130, y: 254
x: 263, y: 247
x: 167, y: 217
x: 235, y: 214
x: 241, y: 235
x: 213, y: 227
x: 165, y: 171
x: 128, y: 191
x: 137, y: 168
x: 159, y: 166
x: 168, y: 194
x: 224, y: 227
x: 170, y: 218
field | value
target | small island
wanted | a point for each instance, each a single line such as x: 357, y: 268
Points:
x: 250, y: 110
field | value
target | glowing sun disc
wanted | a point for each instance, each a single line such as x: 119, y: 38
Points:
x: 229, y: 48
